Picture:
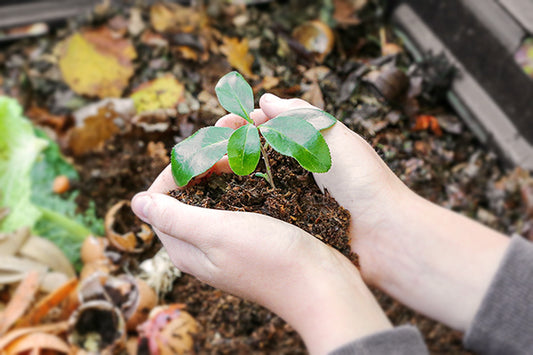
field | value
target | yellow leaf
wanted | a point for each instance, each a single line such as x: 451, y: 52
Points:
x: 238, y: 56
x: 161, y: 93
x: 94, y: 63
x: 170, y: 17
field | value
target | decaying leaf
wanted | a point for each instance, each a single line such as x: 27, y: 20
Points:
x: 95, y: 63
x: 425, y: 122
x: 391, y: 82
x: 43, y: 117
x: 98, y: 122
x: 238, y: 56
x: 312, y: 92
x: 170, y: 17
x: 20, y: 301
x: 346, y: 12
x: 161, y: 93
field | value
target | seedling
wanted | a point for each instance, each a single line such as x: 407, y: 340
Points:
x: 295, y: 133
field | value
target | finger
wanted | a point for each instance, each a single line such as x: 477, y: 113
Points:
x: 235, y: 121
x: 185, y: 222
x: 164, y: 182
x: 271, y: 105
x: 230, y: 120
x: 206, y: 229
x: 186, y: 257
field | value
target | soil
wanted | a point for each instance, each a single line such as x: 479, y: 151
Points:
x: 296, y: 200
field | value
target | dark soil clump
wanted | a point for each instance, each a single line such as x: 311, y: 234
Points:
x: 296, y: 200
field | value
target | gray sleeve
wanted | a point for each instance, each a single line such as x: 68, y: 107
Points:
x: 404, y: 340
x: 503, y: 323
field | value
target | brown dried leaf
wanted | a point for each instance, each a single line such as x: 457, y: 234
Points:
x: 94, y: 131
x: 345, y: 13
x: 170, y: 17
x: 314, y: 95
x: 236, y: 51
x: 425, y: 122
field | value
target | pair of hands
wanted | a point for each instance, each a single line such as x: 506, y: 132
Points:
x: 311, y: 285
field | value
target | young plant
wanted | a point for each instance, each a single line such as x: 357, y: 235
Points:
x: 295, y: 133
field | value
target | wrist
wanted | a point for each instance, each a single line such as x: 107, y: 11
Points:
x: 435, y: 261
x: 334, y: 306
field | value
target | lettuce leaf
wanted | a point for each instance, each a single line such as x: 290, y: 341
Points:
x: 19, y: 148
x: 29, y: 162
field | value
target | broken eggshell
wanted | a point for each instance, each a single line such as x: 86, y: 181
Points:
x: 93, y: 249
x: 168, y: 330
x: 125, y: 231
x: 97, y: 327
x: 131, y: 295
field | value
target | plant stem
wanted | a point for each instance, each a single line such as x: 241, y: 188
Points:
x: 269, y: 177
x: 79, y: 232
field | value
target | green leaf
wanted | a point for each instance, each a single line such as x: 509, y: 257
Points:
x: 19, y: 148
x: 298, y: 138
x: 60, y: 221
x: 318, y: 118
x: 235, y: 95
x: 29, y: 162
x: 244, y: 149
x: 198, y: 153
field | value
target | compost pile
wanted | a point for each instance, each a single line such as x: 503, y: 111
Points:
x: 110, y: 93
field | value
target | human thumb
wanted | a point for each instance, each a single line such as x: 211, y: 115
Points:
x: 273, y: 105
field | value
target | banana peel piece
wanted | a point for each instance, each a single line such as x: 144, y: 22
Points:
x: 14, y: 269
x: 10, y: 243
x: 47, y: 253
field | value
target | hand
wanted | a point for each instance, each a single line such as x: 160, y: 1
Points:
x: 309, y: 284
x: 429, y: 258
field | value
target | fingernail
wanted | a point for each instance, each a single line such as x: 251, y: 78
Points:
x: 140, y: 205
